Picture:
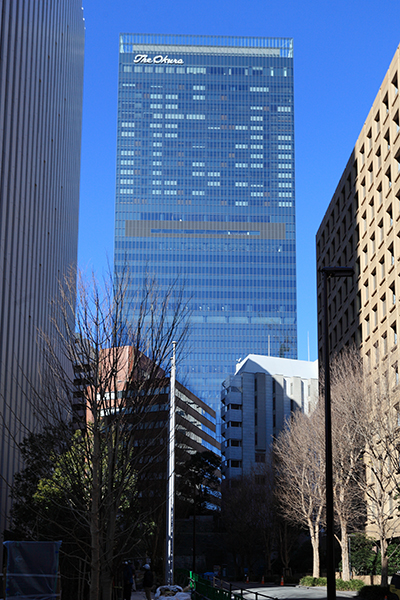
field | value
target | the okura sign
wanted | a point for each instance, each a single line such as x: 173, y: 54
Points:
x: 157, y: 60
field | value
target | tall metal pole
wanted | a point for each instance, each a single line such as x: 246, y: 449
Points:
x: 330, y: 554
x: 330, y: 540
x: 169, y: 563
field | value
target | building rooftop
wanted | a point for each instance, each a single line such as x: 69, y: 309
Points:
x: 279, y: 366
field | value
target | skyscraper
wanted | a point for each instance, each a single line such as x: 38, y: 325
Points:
x: 41, y: 80
x: 205, y: 191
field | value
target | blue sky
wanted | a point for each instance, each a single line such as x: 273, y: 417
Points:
x: 342, y: 52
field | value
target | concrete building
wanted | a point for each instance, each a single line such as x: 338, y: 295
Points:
x: 256, y: 403
x: 361, y: 228
x: 205, y: 191
x: 41, y: 81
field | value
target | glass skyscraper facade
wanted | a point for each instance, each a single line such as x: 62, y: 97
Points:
x: 206, y: 191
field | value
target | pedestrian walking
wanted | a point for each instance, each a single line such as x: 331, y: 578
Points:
x: 128, y: 580
x: 148, y: 581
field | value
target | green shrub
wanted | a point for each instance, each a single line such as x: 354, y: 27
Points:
x: 353, y: 585
x: 373, y: 592
x: 307, y: 581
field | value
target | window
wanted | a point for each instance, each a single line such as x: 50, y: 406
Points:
x: 382, y: 267
x: 373, y: 246
x: 395, y: 86
x: 364, y: 189
x: 376, y: 352
x: 381, y: 231
x: 366, y: 291
x: 364, y: 221
x: 396, y: 122
x: 369, y: 137
x: 375, y: 316
x: 380, y: 197
x: 383, y: 305
x: 393, y: 328
x: 236, y: 464
x: 362, y: 155
x: 389, y: 213
x: 370, y: 179
x: 260, y: 458
x: 389, y: 178
x: 378, y: 159
x: 373, y: 277
x: 367, y: 327
x: 377, y: 123
x: 391, y: 255
x: 395, y: 368
x: 397, y: 163
x: 386, y: 104
x: 387, y: 139
x: 365, y: 253
x: 384, y: 343
x: 392, y: 294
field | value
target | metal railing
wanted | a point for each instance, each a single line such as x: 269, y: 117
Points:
x: 220, y: 590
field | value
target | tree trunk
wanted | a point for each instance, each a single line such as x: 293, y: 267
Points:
x: 344, y: 546
x: 384, y: 562
x: 315, y: 549
x: 94, y: 523
x: 106, y: 587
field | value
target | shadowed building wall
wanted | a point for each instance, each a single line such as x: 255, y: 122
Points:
x: 41, y: 80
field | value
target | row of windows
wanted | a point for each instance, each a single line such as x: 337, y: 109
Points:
x: 234, y: 71
x: 184, y: 88
x: 206, y: 217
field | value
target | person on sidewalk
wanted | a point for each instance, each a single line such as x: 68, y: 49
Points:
x: 148, y: 581
x: 128, y: 579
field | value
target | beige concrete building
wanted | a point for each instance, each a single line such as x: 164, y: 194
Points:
x: 361, y: 228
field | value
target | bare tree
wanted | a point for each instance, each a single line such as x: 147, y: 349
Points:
x: 348, y: 418
x: 248, y: 510
x: 366, y: 441
x: 300, y: 461
x: 381, y: 442
x: 118, y: 355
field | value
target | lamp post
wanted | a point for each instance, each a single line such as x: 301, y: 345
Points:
x: 169, y: 562
x: 330, y: 540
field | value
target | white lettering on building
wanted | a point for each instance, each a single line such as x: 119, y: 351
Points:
x: 157, y: 60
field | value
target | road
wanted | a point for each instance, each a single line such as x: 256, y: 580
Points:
x: 289, y: 592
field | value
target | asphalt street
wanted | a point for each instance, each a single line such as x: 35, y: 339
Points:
x: 288, y: 592
x: 279, y: 592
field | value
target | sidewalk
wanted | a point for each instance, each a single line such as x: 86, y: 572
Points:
x: 140, y: 595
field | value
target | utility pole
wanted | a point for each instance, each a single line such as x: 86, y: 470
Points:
x: 169, y: 563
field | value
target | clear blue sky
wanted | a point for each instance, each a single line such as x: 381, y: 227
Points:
x: 342, y: 52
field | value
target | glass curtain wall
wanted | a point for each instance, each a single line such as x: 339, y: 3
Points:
x: 206, y: 191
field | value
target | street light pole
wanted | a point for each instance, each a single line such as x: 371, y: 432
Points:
x: 330, y: 540
x: 169, y: 563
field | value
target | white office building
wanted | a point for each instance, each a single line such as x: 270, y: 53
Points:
x: 256, y: 402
